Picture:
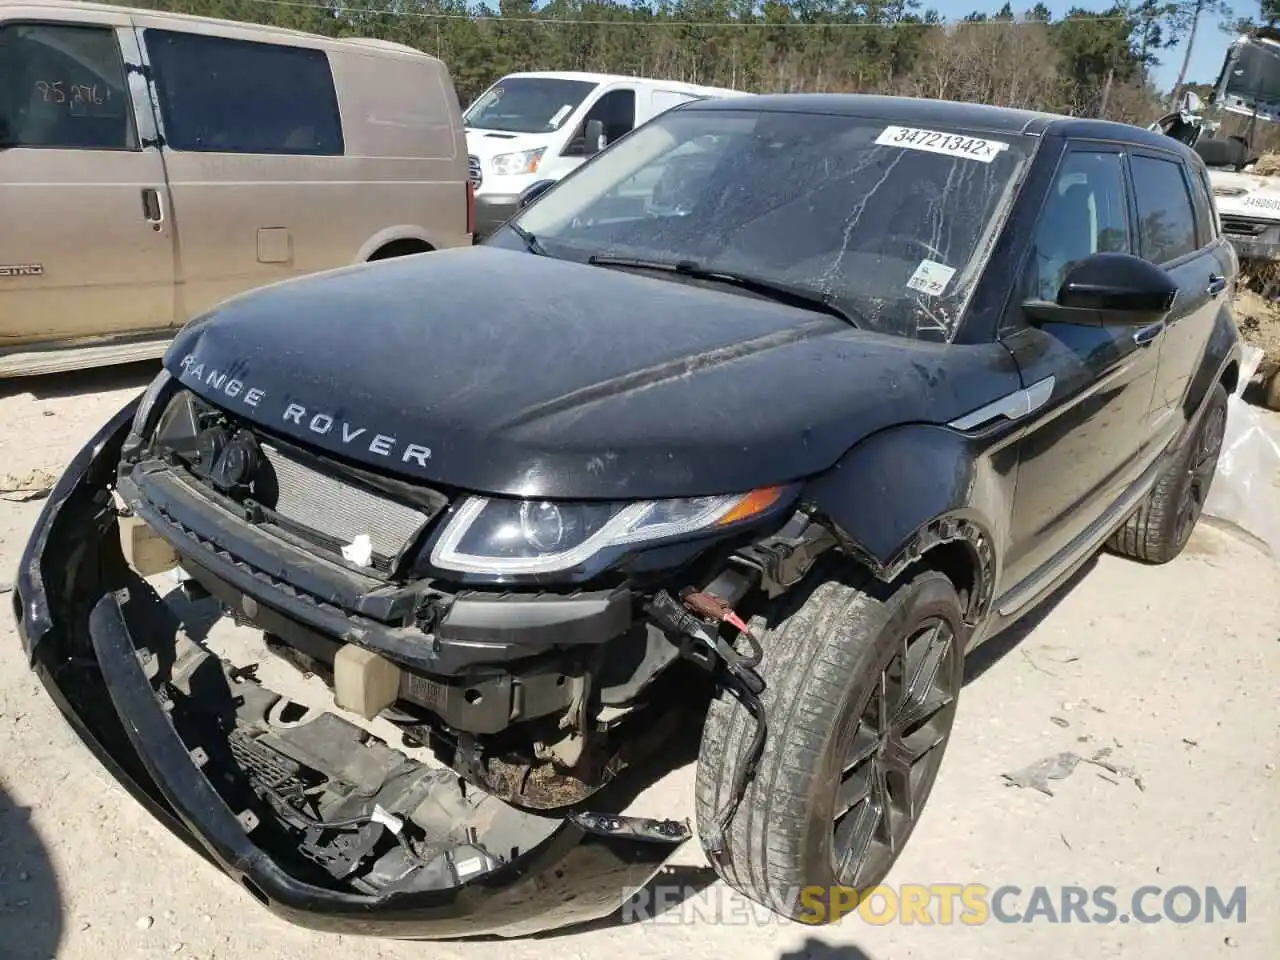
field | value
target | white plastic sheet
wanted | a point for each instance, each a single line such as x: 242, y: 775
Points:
x: 1246, y: 491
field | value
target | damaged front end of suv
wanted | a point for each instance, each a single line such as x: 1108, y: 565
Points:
x: 325, y: 824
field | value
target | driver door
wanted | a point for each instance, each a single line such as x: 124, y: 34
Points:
x: 1091, y: 440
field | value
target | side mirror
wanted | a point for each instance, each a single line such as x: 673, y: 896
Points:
x: 533, y: 192
x: 1109, y: 289
x: 595, y: 137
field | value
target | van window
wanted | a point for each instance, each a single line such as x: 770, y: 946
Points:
x: 616, y: 110
x: 1166, y: 220
x: 63, y: 87
x: 220, y: 95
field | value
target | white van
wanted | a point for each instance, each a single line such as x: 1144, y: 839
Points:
x: 529, y: 127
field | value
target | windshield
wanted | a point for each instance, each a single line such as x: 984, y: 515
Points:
x: 527, y: 104
x: 888, y: 223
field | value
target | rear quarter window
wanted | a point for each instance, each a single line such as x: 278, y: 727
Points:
x: 219, y: 95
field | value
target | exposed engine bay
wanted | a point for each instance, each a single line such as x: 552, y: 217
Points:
x: 542, y: 728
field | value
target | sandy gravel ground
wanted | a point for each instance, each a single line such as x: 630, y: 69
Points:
x: 1174, y: 669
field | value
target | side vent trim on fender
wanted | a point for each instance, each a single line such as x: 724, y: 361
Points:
x: 1013, y: 406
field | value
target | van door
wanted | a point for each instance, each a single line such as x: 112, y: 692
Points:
x: 616, y: 109
x: 86, y: 247
x: 250, y: 129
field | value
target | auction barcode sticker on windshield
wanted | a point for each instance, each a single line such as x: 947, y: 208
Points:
x: 947, y: 144
x: 931, y: 277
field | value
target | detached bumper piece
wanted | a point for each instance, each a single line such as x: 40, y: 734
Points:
x: 321, y: 822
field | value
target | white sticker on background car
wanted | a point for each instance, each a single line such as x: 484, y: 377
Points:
x: 931, y: 277
x: 947, y: 144
x: 559, y: 115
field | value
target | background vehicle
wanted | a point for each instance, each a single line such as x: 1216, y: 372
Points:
x: 529, y: 127
x: 1248, y: 191
x: 254, y: 154
x: 773, y: 455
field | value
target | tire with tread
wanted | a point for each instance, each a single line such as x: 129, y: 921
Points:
x: 1153, y: 533
x: 823, y: 649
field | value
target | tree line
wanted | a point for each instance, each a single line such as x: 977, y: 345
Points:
x: 1085, y: 63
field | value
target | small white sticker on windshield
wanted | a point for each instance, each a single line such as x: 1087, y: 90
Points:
x: 931, y: 277
x: 559, y: 115
x: 947, y: 144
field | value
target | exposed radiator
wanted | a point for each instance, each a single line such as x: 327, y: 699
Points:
x: 339, y: 511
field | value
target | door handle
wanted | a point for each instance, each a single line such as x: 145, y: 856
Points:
x: 1217, y: 283
x: 152, y: 207
x: 1148, y: 334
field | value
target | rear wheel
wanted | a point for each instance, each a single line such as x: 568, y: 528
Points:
x: 1161, y: 526
x: 861, y: 688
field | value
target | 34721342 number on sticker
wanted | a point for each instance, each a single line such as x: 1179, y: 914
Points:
x: 947, y: 144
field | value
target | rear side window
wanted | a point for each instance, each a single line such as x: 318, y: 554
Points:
x: 63, y: 87
x: 1205, y: 204
x: 219, y: 95
x: 1166, y: 217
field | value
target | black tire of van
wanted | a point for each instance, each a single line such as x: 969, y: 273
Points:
x: 399, y: 248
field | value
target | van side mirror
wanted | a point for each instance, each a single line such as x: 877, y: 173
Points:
x: 1108, y: 289
x: 533, y: 192
x: 595, y: 137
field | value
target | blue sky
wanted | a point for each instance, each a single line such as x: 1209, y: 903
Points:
x: 1206, y: 58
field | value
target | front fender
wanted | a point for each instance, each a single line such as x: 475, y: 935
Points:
x: 903, y: 491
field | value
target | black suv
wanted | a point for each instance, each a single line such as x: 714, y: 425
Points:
x: 758, y: 421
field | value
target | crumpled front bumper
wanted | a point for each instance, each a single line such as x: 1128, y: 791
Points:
x: 68, y: 601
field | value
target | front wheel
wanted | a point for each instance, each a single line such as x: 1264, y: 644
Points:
x: 860, y: 697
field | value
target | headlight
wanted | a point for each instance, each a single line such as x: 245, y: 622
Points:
x: 532, y: 537
x: 512, y: 164
x: 148, y: 402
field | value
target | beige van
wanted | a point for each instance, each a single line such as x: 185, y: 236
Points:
x: 152, y: 165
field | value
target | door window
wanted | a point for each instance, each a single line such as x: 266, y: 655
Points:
x: 63, y: 87
x: 1086, y: 213
x: 1166, y: 217
x: 616, y: 110
x: 236, y: 96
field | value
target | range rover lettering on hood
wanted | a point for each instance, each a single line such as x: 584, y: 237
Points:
x: 314, y: 420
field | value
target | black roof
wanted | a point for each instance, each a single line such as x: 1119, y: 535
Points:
x: 975, y: 116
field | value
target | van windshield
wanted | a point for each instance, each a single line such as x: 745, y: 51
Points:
x: 527, y: 104
x: 889, y: 223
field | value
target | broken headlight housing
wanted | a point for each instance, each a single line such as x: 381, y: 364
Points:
x: 529, y: 537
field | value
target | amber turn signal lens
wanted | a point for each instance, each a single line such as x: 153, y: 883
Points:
x: 754, y: 503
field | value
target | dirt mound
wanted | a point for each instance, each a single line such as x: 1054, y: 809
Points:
x: 1258, y: 318
x: 1268, y: 165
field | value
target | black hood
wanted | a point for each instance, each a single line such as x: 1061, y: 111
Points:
x: 525, y: 375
